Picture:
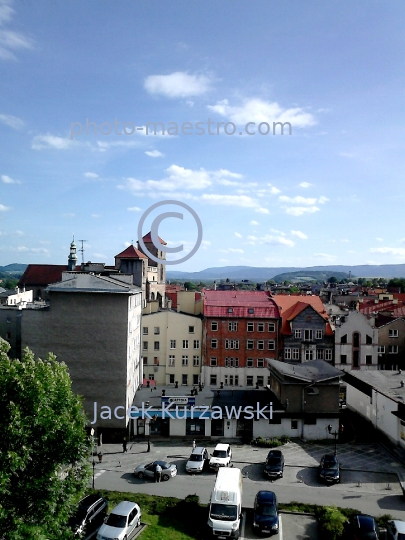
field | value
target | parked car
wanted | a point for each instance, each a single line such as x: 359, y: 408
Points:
x: 197, y: 460
x: 90, y: 515
x: 396, y: 530
x: 274, y: 466
x: 265, y: 513
x: 122, y: 522
x: 364, y: 528
x: 148, y: 470
x: 221, y: 456
x: 329, y: 469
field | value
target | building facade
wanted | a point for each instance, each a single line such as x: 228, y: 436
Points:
x: 356, y: 342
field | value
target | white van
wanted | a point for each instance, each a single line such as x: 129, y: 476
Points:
x: 226, y: 504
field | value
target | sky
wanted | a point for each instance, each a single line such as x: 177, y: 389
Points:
x: 107, y: 108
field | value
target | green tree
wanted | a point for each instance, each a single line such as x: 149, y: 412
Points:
x: 43, y: 447
x: 332, y: 279
x: 397, y: 282
x: 189, y: 285
x: 9, y: 283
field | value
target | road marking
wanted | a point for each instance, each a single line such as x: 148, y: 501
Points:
x: 99, y: 473
x: 242, y: 536
x: 280, y: 528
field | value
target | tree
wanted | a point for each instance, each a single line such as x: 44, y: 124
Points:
x: 332, y: 279
x: 397, y: 282
x: 44, y: 449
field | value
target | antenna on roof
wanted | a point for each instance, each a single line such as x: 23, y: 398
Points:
x: 82, y: 249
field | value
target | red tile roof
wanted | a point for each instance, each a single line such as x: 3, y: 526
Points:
x: 148, y: 238
x: 131, y: 253
x: 172, y: 295
x: 42, y: 274
x: 293, y: 305
x: 217, y: 304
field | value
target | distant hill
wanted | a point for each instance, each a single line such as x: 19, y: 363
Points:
x: 14, y: 270
x: 307, y: 275
x: 263, y: 274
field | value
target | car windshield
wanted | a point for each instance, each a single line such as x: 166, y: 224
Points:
x: 114, y: 520
x: 401, y: 536
x: 219, y: 453
x: 273, y: 461
x: 195, y: 457
x: 266, y: 510
x: 225, y: 512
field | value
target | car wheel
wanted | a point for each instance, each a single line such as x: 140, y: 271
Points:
x: 165, y: 477
x: 139, y: 523
x: 140, y: 475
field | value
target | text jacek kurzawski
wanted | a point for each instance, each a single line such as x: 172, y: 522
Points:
x: 202, y: 412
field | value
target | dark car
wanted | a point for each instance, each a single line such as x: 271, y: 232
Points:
x: 329, y: 469
x: 265, y: 513
x: 365, y: 528
x: 90, y: 515
x: 274, y: 466
x: 148, y: 470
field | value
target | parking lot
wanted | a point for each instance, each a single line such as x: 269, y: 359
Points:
x: 292, y: 527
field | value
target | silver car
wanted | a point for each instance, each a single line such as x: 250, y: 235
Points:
x: 122, y: 523
x: 148, y: 470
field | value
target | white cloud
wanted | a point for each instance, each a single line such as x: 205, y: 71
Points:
x: 134, y: 209
x: 258, y: 110
x: 44, y: 142
x: 11, y: 121
x: 91, y: 175
x: 325, y: 257
x: 231, y: 250
x: 238, y: 235
x: 299, y: 234
x: 25, y: 249
x: 300, y: 210
x: 298, y: 200
x: 344, y: 240
x: 276, y: 240
x: 95, y: 215
x: 178, y: 84
x: 229, y: 200
x: 381, y: 240
x: 7, y: 180
x: 205, y: 244
x: 154, y: 153
x: 305, y: 184
x: 69, y: 215
x: 262, y: 210
x: 103, y: 146
x: 4, y: 208
x: 10, y: 40
x: 254, y: 222
x: 396, y: 252
x: 273, y: 189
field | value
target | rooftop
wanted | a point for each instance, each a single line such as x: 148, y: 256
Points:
x: 244, y: 304
x: 384, y: 381
x: 312, y: 371
x: 94, y: 284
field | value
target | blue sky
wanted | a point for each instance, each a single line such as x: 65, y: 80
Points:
x: 332, y: 192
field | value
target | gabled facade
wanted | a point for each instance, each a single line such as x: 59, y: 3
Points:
x: 391, y: 345
x: 356, y: 343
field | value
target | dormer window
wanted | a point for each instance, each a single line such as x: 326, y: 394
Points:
x: 230, y: 310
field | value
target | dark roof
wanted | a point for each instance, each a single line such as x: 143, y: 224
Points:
x: 41, y: 275
x: 312, y: 371
x: 148, y: 238
x: 131, y: 253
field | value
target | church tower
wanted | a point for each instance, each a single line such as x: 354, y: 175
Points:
x: 72, y: 260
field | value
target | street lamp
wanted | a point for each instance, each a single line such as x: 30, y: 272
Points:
x: 335, y: 434
x: 92, y: 451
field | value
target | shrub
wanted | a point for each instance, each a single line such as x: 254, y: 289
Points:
x: 331, y: 522
x: 270, y: 443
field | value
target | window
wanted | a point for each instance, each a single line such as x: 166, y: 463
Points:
x: 381, y: 349
x: 172, y: 343
x: 271, y: 327
x: 232, y: 344
x: 214, y: 326
x: 392, y: 333
x: 184, y: 378
x: 287, y: 354
x: 356, y: 339
x: 369, y: 340
x: 145, y: 330
x: 260, y: 362
x: 250, y: 327
x: 195, y: 379
x: 232, y: 326
x: 156, y: 330
x: 172, y: 359
x: 260, y: 345
x: 319, y: 354
x: 230, y: 310
x: 249, y: 362
x: 295, y: 353
x: 271, y: 345
x: 318, y: 334
x: 171, y: 378
x: 309, y: 355
x: 151, y: 377
x: 196, y: 344
x: 213, y: 380
x: 156, y: 346
x: 328, y: 355
x: 230, y: 380
x: 260, y: 327
x: 231, y: 362
x: 251, y: 311
x: 145, y: 345
x: 249, y: 380
x: 191, y: 329
x: 268, y: 380
x: 297, y: 334
x: 196, y: 360
x: 310, y: 421
x: 343, y: 358
x: 145, y: 360
x: 214, y: 343
x: 213, y: 362
x: 294, y: 424
x: 260, y: 380
x: 250, y: 344
x: 343, y: 339
x: 393, y: 349
x: 369, y: 359
x: 184, y: 360
x: 308, y: 335
x: 236, y: 380
x: 185, y: 343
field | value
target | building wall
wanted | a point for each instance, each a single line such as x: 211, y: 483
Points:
x: 172, y: 326
x: 10, y: 329
x: 392, y: 360
x: 186, y: 303
x: 312, y: 432
x: 90, y: 333
x: 356, y: 322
